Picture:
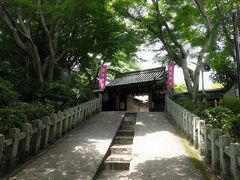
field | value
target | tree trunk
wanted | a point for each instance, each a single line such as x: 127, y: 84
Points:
x: 187, y: 77
x: 37, y: 61
x: 50, y: 71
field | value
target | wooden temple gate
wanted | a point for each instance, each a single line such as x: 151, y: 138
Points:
x: 151, y: 82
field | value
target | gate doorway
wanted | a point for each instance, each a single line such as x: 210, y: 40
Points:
x: 138, y: 103
x: 122, y: 93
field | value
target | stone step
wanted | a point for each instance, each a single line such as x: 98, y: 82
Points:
x: 123, y: 140
x: 127, y: 127
x: 124, y: 132
x: 121, y: 149
x: 128, y: 122
x: 114, y: 175
x: 117, y: 162
x: 132, y: 115
x: 130, y: 118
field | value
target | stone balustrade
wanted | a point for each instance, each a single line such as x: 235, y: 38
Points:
x: 19, y: 144
x: 222, y: 155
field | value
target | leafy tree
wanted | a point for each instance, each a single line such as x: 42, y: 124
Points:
x: 28, y: 21
x: 186, y: 29
x: 49, y: 39
x: 222, y: 53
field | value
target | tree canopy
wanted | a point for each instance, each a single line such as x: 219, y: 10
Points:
x: 51, y: 52
x: 190, y: 31
x: 45, y: 37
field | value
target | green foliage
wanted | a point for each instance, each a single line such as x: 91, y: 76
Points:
x: 232, y: 103
x: 57, y: 93
x: 7, y: 94
x: 179, y: 88
x: 189, y: 104
x: 217, y: 86
x: 224, y: 71
x: 12, y: 73
x: 224, y: 119
x: 21, y: 112
x: 81, y: 89
x: 83, y: 38
x: 201, y: 97
x: 219, y: 117
x: 235, y: 128
x: 221, y: 53
x: 83, y: 94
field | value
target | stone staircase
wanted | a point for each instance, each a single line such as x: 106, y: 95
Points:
x: 116, y: 166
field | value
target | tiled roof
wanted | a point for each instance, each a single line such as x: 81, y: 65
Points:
x: 137, y: 77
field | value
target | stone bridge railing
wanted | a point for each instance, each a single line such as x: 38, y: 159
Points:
x: 17, y: 146
x: 222, y: 155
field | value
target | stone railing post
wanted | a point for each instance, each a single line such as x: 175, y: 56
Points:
x: 184, y: 121
x: 187, y: 124
x: 12, y: 149
x: 195, y: 131
x: 235, y: 152
x: 65, y: 122
x: 60, y: 119
x: 36, y: 137
x: 225, y: 169
x: 45, y: 135
x: 68, y: 122
x: 78, y: 119
x: 190, y: 127
x: 53, y: 128
x: 201, y: 129
x: 215, y: 154
x: 71, y: 117
x: 207, y: 142
x: 81, y: 113
x: 24, y: 146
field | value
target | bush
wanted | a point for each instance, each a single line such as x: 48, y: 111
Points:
x: 83, y: 94
x: 185, y: 101
x: 57, y: 93
x: 225, y: 117
x: 7, y: 94
x: 21, y: 112
x: 14, y: 74
x: 194, y: 107
x: 233, y: 103
x: 221, y: 118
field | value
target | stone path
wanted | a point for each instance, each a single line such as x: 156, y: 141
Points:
x: 157, y: 152
x: 78, y: 155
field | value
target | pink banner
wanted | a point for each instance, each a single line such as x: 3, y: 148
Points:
x: 102, y: 77
x: 170, y: 84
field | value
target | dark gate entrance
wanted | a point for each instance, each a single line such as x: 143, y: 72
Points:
x: 151, y: 82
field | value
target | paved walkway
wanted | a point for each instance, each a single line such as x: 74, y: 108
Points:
x: 78, y: 155
x: 158, y: 153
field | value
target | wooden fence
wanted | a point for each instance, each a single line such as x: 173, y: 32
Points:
x: 222, y: 155
x: 18, y: 144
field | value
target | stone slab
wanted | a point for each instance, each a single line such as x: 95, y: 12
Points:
x: 78, y: 155
x: 158, y: 152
